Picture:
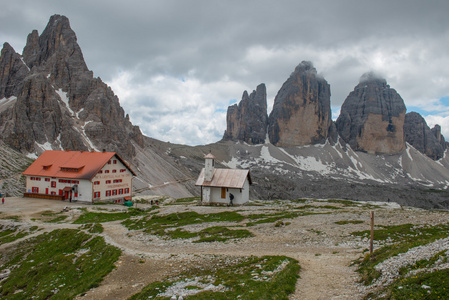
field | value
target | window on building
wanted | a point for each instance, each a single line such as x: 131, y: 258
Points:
x: 53, y: 193
x: 108, y: 193
x: 106, y: 171
x: 109, y: 162
x: 47, y: 179
x: 53, y: 184
x: 127, y: 191
x: 108, y: 181
x: 35, y: 189
x: 114, y: 171
x: 96, y: 182
x: 114, y: 192
x: 97, y: 195
x: 120, y: 191
x: 115, y: 161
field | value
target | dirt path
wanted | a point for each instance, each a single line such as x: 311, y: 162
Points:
x: 324, y: 249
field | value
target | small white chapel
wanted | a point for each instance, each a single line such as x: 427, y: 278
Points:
x: 223, y: 186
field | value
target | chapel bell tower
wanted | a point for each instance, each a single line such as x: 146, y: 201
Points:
x: 209, y: 167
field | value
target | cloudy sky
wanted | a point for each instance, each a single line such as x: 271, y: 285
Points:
x: 177, y: 65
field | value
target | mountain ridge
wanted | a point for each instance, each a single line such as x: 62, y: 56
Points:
x: 67, y: 108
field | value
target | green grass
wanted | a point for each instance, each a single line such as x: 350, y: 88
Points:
x: 101, y: 217
x: 57, y: 219
x: 186, y: 201
x: 268, y: 277
x: 14, y: 218
x: 168, y: 226
x: 11, y: 234
x: 180, y: 219
x: 402, y: 238
x: 425, y: 285
x: 221, y: 234
x: 343, y: 202
x: 420, y: 284
x: 58, y: 265
x: 348, y: 222
x: 275, y: 217
x: 93, y: 228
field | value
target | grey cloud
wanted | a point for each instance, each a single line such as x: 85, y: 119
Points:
x: 224, y: 47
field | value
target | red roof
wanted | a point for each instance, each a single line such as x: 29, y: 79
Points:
x: 71, y: 164
x: 230, y: 178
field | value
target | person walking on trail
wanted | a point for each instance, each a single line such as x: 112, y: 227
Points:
x: 3, y: 200
x: 231, y: 198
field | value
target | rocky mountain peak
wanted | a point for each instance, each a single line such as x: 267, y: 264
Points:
x: 55, y: 52
x: 301, y: 112
x: 247, y: 121
x: 12, y: 72
x: 66, y: 107
x: 372, y: 117
x: 372, y: 77
x: 418, y: 134
x: 305, y: 66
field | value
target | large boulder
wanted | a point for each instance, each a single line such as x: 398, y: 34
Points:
x: 301, y: 112
x: 372, y: 117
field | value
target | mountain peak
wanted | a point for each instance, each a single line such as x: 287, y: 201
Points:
x: 372, y: 76
x: 247, y: 121
x: 372, y: 118
x: 305, y: 66
x: 301, y: 112
x: 57, y: 39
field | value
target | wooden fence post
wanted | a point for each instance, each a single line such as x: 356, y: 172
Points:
x: 372, y: 233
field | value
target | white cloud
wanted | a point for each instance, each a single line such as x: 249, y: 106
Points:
x: 179, y: 110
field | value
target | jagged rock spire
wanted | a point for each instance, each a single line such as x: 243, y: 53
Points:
x: 301, y: 112
x: 372, y: 117
x: 247, y: 121
x: 12, y: 72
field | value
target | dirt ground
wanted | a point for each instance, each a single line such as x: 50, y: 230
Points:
x: 323, y: 248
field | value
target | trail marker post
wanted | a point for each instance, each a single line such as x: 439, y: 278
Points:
x: 372, y: 233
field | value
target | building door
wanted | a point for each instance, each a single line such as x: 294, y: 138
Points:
x: 223, y: 193
x: 46, y: 191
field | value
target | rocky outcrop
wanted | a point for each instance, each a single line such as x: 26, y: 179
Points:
x: 436, y: 131
x: 301, y: 112
x: 247, y: 121
x: 12, y: 72
x: 419, y: 135
x: 372, y: 117
x: 59, y: 102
